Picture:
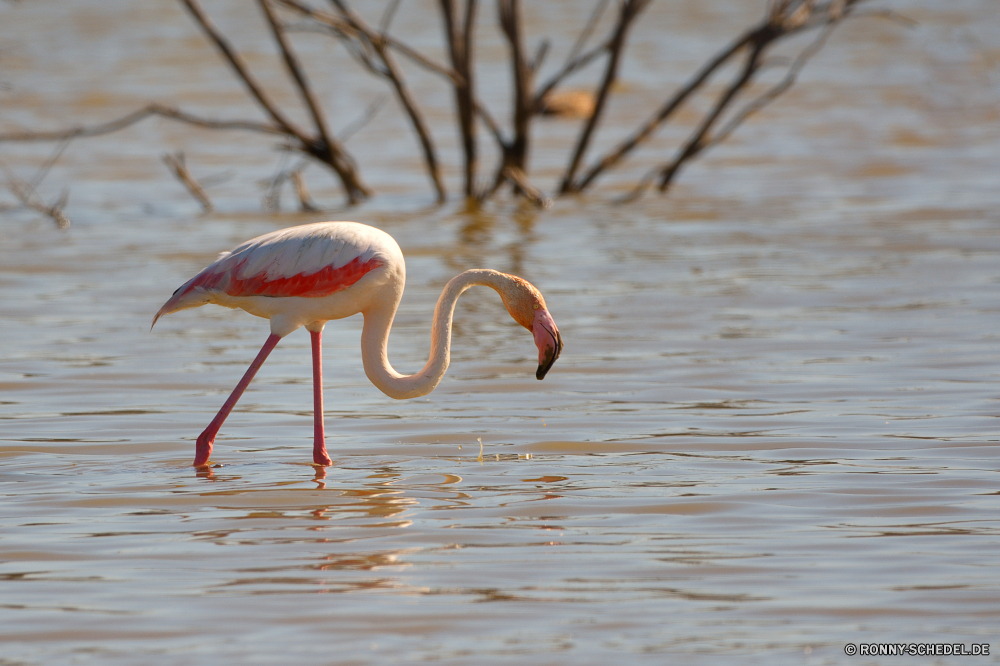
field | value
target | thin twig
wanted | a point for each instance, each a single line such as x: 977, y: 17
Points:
x: 178, y: 166
x: 588, y: 29
x: 272, y: 196
x: 387, y: 16
x: 361, y: 121
x: 519, y: 180
x: 29, y: 198
x: 49, y: 163
x: 571, y: 66
x: 539, y: 57
x: 491, y: 124
x: 343, y: 29
x: 573, y: 60
x: 306, y: 204
x: 138, y: 116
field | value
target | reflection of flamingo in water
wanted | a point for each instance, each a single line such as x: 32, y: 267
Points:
x: 308, y: 275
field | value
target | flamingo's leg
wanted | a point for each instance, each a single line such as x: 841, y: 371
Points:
x: 320, y: 456
x: 203, y: 449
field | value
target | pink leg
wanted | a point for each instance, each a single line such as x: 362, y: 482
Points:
x: 203, y: 449
x: 320, y: 456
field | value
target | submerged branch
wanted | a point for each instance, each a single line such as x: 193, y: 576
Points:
x: 178, y: 166
x: 29, y: 198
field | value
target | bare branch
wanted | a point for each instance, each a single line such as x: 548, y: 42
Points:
x: 135, y: 117
x: 522, y: 186
x: 665, y: 111
x: 343, y: 30
x: 588, y: 29
x: 539, y: 57
x: 775, y: 91
x: 295, y: 69
x: 359, y: 123
x: 49, y: 163
x: 459, y: 43
x: 629, y: 10
x: 390, y: 70
x: 243, y: 72
x: 697, y: 142
x: 516, y: 153
x: 29, y: 198
x: 491, y: 124
x: 781, y: 21
x: 574, y: 60
x: 570, y: 67
x: 178, y: 166
x: 306, y: 204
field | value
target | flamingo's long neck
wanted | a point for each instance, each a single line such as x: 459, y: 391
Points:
x: 375, y: 338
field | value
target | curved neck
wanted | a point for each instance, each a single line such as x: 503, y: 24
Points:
x: 375, y: 338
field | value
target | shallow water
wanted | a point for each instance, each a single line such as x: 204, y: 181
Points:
x: 773, y: 431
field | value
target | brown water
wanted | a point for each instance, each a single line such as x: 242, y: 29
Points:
x: 773, y: 430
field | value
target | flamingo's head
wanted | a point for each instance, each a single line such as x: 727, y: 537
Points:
x: 527, y: 306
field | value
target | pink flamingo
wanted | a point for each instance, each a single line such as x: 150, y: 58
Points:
x: 308, y: 275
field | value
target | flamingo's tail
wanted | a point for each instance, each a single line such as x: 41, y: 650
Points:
x: 188, y: 296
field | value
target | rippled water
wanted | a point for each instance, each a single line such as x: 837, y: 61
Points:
x: 774, y: 429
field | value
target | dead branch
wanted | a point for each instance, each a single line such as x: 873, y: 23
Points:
x: 516, y: 152
x: 574, y: 60
x: 387, y: 16
x: 178, y: 166
x: 519, y: 180
x: 29, y: 198
x: 459, y: 43
x: 784, y: 18
x: 359, y: 123
x: 793, y: 17
x: 297, y: 73
x: 379, y: 44
x: 135, y: 117
x: 378, y: 53
x: 322, y: 147
x: 343, y: 30
x: 775, y: 91
x: 27, y: 192
x: 628, y: 11
x: 306, y: 204
x: 697, y: 142
x: 243, y: 72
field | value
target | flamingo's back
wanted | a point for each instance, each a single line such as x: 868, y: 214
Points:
x: 310, y: 261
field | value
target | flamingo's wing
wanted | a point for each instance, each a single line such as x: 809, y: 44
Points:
x: 307, y: 261
x: 293, y: 262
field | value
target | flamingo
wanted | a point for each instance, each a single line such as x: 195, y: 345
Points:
x: 311, y: 274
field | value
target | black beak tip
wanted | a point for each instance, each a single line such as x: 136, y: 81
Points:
x: 543, y: 368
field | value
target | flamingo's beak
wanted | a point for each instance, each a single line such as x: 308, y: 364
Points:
x: 548, y: 341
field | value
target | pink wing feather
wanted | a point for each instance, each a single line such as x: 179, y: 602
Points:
x: 308, y: 261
